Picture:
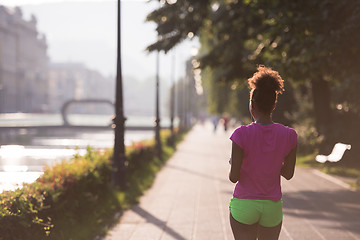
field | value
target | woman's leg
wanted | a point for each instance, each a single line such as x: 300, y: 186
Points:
x: 243, y: 231
x: 269, y: 233
x: 270, y: 221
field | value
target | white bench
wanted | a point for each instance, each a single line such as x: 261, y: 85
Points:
x: 336, y: 154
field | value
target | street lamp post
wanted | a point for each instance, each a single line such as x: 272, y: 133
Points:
x: 172, y: 101
x: 157, y: 120
x: 186, y: 101
x: 118, y: 164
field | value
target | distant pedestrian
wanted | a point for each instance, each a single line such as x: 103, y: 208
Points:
x: 262, y: 152
x: 226, y: 121
x: 215, y: 121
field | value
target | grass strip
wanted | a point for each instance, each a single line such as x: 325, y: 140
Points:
x: 308, y: 161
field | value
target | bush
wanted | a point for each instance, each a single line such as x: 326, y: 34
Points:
x: 65, y: 191
x: 74, y: 199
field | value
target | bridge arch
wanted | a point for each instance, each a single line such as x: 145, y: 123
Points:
x: 66, y: 105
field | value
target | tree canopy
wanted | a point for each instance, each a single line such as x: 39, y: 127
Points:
x: 305, y: 36
x: 312, y: 43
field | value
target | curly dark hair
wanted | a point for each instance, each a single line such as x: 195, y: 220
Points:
x: 265, y: 85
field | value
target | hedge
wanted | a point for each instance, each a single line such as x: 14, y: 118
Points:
x: 73, y: 199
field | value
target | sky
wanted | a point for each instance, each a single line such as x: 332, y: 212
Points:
x: 85, y: 31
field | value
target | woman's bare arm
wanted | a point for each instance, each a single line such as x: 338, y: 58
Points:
x: 236, y: 159
x: 287, y: 170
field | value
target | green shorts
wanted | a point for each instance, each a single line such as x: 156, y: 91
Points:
x: 249, y: 211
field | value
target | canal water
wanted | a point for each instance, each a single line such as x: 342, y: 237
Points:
x: 22, y: 159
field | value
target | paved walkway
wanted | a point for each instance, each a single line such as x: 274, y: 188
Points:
x: 190, y: 196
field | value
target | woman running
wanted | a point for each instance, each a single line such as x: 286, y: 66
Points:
x: 262, y: 152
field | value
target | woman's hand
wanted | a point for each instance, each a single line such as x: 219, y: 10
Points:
x: 288, y: 168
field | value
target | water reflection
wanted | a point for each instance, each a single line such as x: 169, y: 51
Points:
x: 24, y: 161
x: 20, y: 164
x: 13, y: 180
x: 24, y: 164
x: 97, y: 140
x: 19, y: 158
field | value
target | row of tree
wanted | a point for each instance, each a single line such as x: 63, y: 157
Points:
x: 312, y: 43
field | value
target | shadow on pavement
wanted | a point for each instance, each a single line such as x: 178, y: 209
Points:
x: 341, y: 207
x: 157, y: 222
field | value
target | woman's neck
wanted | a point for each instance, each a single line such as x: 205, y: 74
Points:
x: 264, y: 119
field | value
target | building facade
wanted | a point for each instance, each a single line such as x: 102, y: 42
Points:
x: 30, y: 82
x: 23, y: 64
x: 74, y: 81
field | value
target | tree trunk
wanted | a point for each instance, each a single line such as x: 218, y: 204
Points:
x: 321, y: 100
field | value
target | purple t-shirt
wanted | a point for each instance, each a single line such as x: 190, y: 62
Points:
x: 265, y: 148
